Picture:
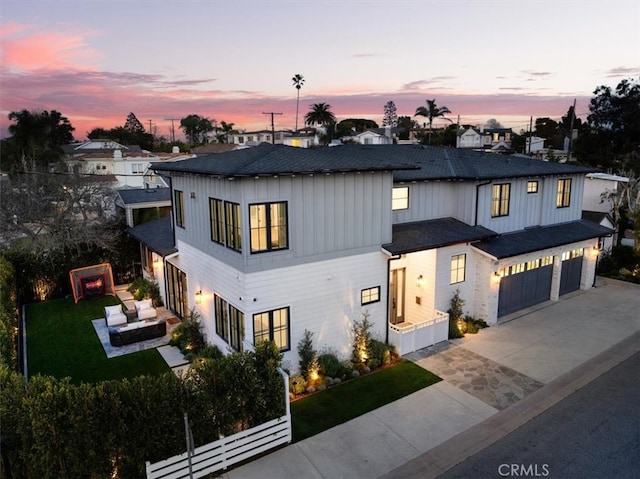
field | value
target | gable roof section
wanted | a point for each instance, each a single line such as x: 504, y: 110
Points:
x: 136, y: 196
x: 156, y: 234
x: 541, y: 238
x: 431, y: 234
x: 409, y: 162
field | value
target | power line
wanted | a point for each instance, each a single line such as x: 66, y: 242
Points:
x: 273, y: 130
x: 173, y: 130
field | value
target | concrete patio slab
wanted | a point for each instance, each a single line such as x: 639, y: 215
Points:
x: 172, y: 356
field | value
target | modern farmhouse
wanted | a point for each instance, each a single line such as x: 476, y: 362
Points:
x: 269, y: 241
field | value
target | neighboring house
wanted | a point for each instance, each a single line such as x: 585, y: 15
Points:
x: 597, y: 204
x: 375, y: 136
x: 534, y: 144
x: 106, y: 157
x: 253, y: 138
x: 141, y: 205
x: 303, y: 138
x: 487, y: 139
x: 606, y: 220
x: 272, y: 241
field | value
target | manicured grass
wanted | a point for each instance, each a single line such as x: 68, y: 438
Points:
x: 61, y: 342
x: 323, y: 410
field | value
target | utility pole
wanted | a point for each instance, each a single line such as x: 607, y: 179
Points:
x: 173, y: 130
x: 273, y: 130
x: 573, y: 115
x: 530, y: 133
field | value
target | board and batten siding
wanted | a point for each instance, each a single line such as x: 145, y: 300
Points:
x: 323, y: 297
x: 530, y: 209
x: 437, y: 199
x: 443, y: 287
x: 329, y: 215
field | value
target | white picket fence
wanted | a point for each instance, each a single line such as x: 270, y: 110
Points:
x: 411, y: 336
x: 227, y: 451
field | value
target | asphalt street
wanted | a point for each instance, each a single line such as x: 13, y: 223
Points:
x: 592, y: 433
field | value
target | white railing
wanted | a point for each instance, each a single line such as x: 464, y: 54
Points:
x: 413, y: 335
x: 227, y: 451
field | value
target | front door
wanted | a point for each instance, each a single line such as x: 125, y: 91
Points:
x: 396, y: 296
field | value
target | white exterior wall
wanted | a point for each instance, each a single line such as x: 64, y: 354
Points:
x: 593, y: 188
x: 444, y: 289
x: 437, y: 199
x: 323, y: 297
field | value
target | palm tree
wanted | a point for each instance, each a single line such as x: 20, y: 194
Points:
x: 320, y: 114
x: 298, y: 81
x: 431, y: 112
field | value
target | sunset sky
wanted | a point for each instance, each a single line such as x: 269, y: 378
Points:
x: 231, y: 60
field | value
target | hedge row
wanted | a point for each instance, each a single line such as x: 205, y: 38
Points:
x: 53, y: 429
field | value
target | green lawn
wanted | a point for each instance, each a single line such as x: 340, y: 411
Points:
x: 323, y: 410
x: 61, y: 342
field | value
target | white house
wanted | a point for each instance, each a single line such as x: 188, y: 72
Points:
x: 488, y: 139
x: 106, y: 157
x: 252, y: 138
x: 272, y: 240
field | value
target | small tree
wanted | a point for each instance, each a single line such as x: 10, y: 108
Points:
x: 306, y: 353
x: 456, y: 323
x: 362, y: 337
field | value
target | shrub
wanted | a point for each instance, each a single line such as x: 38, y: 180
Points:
x: 380, y: 353
x: 455, y: 316
x: 142, y: 288
x: 330, y: 365
x: 306, y: 353
x: 362, y: 338
x: 297, y: 384
x: 188, y: 335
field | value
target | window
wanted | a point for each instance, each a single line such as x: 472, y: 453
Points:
x: 241, y: 139
x: 500, y: 200
x: 517, y: 268
x: 370, y: 295
x: 400, y: 198
x: 234, y: 225
x: 137, y: 168
x: 268, y: 224
x: 272, y: 326
x: 546, y: 260
x: 222, y: 318
x: 564, y: 192
x: 533, y: 264
x: 179, y: 204
x: 457, y: 268
x: 216, y: 214
x: 532, y: 187
x: 236, y: 318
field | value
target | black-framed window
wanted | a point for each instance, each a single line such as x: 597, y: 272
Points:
x: 532, y: 187
x: 268, y: 226
x: 233, y: 225
x: 370, y: 295
x: 400, y: 198
x: 500, y: 200
x: 564, y: 193
x: 222, y: 318
x: 236, y: 320
x: 272, y: 326
x: 458, y: 266
x: 178, y: 197
x: 216, y: 215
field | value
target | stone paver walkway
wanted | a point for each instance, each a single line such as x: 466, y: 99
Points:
x: 492, y: 383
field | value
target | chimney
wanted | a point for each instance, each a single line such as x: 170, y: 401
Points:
x: 117, y: 154
x: 175, y: 149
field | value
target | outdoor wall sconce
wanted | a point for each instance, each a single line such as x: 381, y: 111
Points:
x: 595, y: 251
x: 199, y: 297
x: 420, y: 282
x: 496, y: 277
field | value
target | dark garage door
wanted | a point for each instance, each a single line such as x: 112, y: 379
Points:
x: 571, y: 271
x: 524, y: 285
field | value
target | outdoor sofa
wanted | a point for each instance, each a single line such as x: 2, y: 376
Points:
x: 138, y: 331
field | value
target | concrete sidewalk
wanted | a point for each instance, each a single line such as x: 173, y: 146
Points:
x: 545, y: 354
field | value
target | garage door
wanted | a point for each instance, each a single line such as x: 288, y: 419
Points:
x: 571, y: 271
x: 525, y: 284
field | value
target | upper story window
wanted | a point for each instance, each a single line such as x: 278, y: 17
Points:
x: 225, y: 223
x: 458, y: 265
x: 370, y: 295
x: 400, y: 198
x: 564, y: 193
x: 500, y: 200
x: 268, y: 225
x: 137, y: 168
x: 241, y: 139
x: 272, y: 326
x: 179, y: 205
x: 532, y: 187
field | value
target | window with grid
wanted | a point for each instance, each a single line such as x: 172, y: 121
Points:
x: 458, y: 263
x: 500, y: 200
x: 400, y: 198
x: 370, y: 295
x: 564, y: 193
x: 272, y: 326
x: 178, y: 197
x: 222, y: 318
x: 532, y: 187
x: 268, y: 226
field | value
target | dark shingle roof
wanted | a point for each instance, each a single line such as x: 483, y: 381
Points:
x: 596, y: 216
x: 409, y: 162
x: 144, y: 195
x: 430, y: 234
x: 156, y: 234
x: 541, y: 237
